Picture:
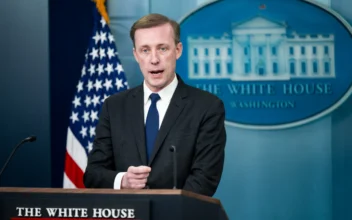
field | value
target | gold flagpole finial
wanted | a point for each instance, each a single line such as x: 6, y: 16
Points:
x: 100, y: 4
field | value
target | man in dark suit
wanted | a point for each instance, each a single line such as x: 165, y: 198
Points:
x: 137, y: 127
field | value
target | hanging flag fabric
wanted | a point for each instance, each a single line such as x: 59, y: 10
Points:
x: 102, y: 75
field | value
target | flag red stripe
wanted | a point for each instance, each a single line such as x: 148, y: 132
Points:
x: 73, y: 172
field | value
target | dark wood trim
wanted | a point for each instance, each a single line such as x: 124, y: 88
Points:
x: 111, y: 191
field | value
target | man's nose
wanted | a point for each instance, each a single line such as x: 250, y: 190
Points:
x: 154, y: 58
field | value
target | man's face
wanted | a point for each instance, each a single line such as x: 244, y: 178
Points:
x: 156, y: 53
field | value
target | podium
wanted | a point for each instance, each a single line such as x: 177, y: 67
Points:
x: 99, y: 204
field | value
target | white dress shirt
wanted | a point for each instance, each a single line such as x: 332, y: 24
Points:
x: 162, y: 105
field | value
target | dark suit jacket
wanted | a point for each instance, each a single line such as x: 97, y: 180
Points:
x: 194, y: 123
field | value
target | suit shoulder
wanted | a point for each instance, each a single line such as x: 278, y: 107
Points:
x: 123, y: 95
x: 202, y: 95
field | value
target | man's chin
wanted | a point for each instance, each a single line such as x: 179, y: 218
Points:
x: 156, y: 87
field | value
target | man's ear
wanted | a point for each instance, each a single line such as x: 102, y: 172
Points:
x: 179, y: 48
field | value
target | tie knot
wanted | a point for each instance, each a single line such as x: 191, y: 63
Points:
x: 154, y: 97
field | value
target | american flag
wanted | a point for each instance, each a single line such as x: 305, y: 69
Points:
x: 102, y: 75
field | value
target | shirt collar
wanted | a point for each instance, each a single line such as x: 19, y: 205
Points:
x: 165, y: 94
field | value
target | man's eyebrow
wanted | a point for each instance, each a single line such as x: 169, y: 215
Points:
x: 145, y: 45
x: 161, y: 44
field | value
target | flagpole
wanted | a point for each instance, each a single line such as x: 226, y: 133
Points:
x: 100, y: 4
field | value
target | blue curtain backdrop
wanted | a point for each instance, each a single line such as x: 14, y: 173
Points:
x: 295, y: 173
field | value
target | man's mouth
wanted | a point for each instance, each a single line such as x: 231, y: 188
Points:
x: 156, y: 71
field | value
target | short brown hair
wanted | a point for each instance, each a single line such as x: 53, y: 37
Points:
x: 153, y: 20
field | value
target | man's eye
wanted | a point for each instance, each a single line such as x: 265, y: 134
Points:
x: 145, y: 50
x: 163, y: 48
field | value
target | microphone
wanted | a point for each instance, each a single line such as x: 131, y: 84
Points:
x: 27, y: 139
x: 173, y: 149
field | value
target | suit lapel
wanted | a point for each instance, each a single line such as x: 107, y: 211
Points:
x: 137, y: 119
x: 177, y: 103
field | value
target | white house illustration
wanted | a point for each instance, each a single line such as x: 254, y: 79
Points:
x: 261, y: 49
